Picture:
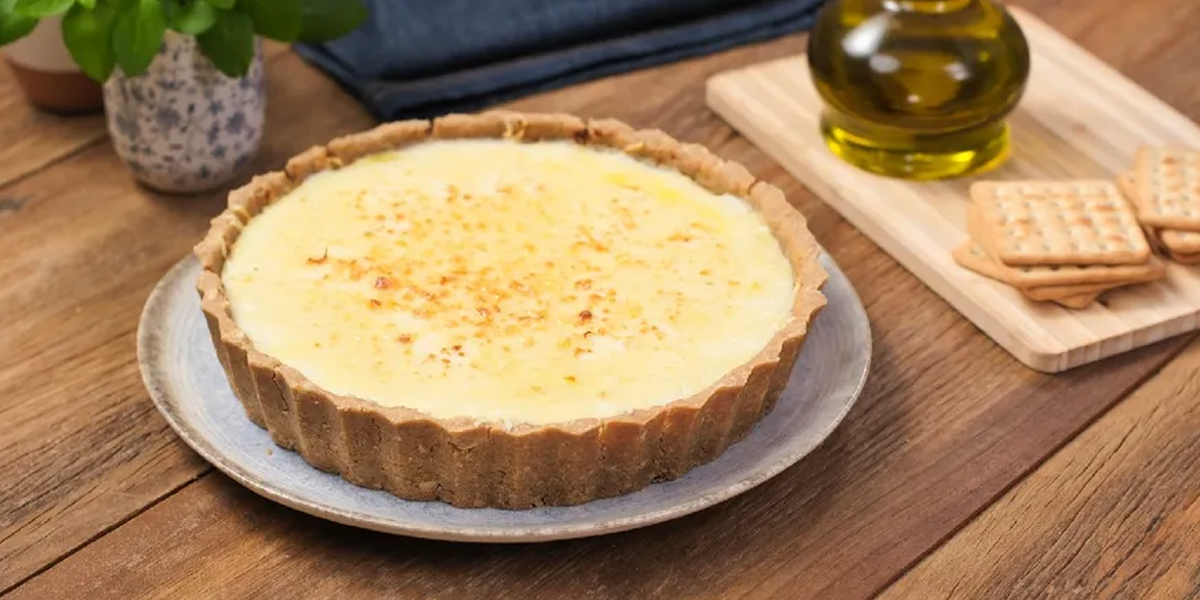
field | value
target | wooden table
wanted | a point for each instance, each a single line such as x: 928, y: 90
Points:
x: 960, y: 473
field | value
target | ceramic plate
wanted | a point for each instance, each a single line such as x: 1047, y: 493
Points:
x: 185, y: 380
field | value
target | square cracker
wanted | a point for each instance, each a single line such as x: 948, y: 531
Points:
x: 1054, y: 293
x: 1077, y: 302
x: 1166, y: 187
x: 1060, y: 275
x: 1076, y: 297
x: 1170, y: 241
x: 1178, y: 241
x: 1059, y: 223
x: 972, y: 257
x: 1187, y: 259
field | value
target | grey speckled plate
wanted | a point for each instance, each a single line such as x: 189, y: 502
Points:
x: 187, y: 384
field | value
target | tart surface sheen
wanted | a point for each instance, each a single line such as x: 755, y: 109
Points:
x: 503, y: 281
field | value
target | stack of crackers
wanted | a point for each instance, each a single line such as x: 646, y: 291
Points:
x: 1065, y: 242
x: 1164, y: 187
x: 1069, y: 242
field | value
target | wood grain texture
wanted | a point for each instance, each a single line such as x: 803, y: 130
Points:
x: 927, y: 448
x: 1079, y: 119
x: 839, y: 525
x: 947, y: 424
x: 33, y: 138
x: 83, y: 448
x: 1115, y: 514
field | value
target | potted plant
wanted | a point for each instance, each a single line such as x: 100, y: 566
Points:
x: 184, y: 95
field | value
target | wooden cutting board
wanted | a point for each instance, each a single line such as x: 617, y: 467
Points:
x: 1079, y: 118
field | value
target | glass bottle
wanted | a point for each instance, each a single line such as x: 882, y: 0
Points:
x: 918, y: 89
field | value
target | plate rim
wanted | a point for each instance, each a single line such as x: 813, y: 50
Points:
x: 159, y: 298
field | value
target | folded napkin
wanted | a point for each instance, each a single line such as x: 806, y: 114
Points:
x: 419, y: 58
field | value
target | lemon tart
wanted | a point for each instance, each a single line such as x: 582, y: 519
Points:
x: 506, y: 309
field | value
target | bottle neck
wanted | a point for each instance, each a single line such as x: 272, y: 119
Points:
x: 926, y: 6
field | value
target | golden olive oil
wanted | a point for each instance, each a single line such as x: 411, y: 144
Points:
x: 918, y: 89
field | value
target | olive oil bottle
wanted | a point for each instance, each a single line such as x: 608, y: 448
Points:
x: 918, y: 89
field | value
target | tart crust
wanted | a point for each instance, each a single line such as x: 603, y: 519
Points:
x: 468, y: 463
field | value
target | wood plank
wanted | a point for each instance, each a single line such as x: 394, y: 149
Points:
x: 835, y: 526
x: 922, y: 453
x: 33, y: 138
x: 1131, y: 477
x: 927, y: 447
x: 1056, y: 135
x: 84, y: 449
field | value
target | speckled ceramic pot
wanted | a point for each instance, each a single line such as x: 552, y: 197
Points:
x: 183, y: 126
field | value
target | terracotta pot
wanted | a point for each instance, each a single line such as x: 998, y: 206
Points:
x: 47, y: 74
x: 183, y: 126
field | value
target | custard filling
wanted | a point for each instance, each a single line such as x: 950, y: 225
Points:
x: 503, y: 281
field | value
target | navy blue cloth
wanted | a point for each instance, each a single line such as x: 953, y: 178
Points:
x: 420, y: 58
